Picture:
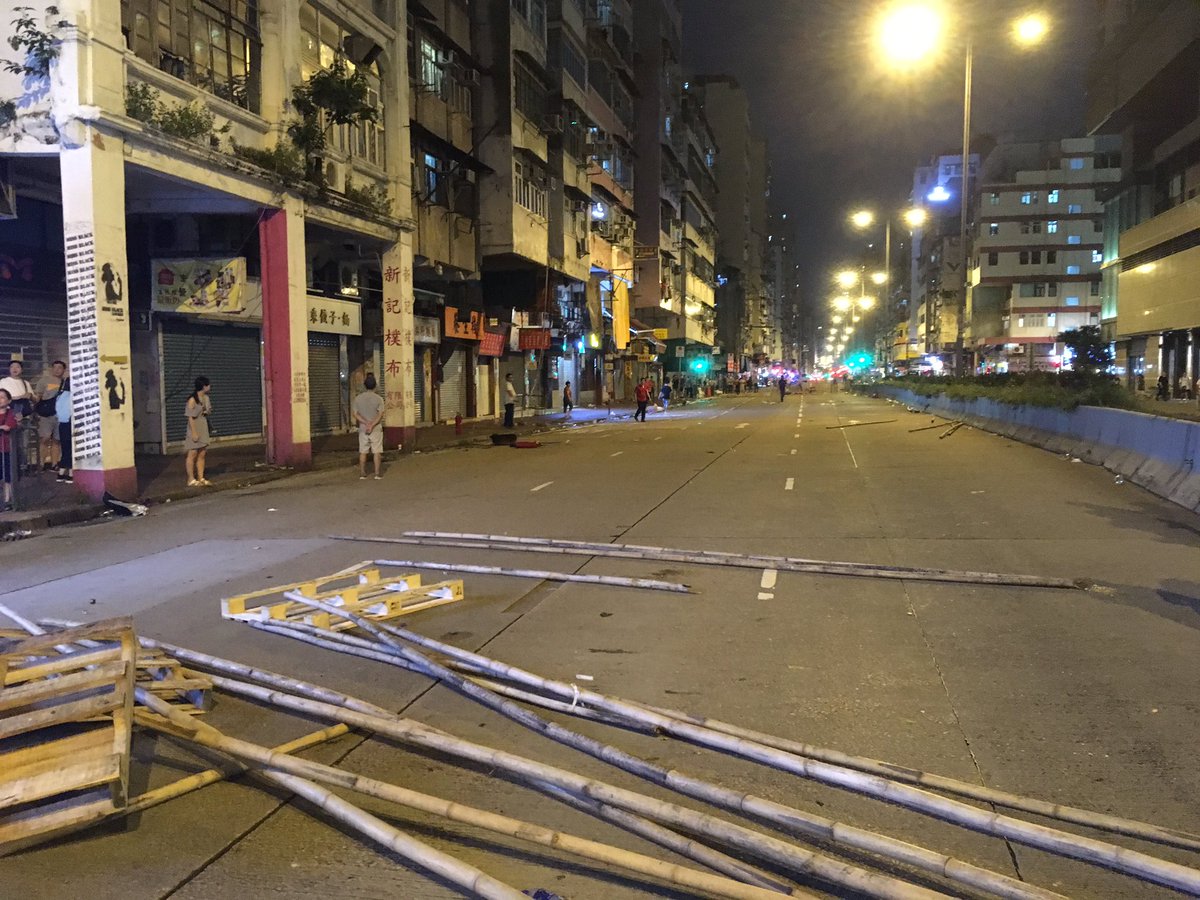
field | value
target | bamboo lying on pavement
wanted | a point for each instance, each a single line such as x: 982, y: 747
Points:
x: 953, y: 428
x: 786, y: 818
x: 649, y: 584
x: 292, y: 773
x: 498, y: 824
x: 709, y: 557
x: 531, y: 772
x: 928, y: 427
x: 861, y: 424
x: 1054, y: 840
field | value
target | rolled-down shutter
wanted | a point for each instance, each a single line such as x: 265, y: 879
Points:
x: 231, y: 357
x: 453, y: 391
x: 36, y: 327
x: 325, y: 413
x: 419, y: 385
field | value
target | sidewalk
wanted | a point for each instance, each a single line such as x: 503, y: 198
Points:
x: 45, y: 503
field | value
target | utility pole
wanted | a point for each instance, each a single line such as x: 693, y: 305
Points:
x: 964, y: 203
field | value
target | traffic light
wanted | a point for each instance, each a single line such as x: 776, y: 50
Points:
x: 699, y: 365
x: 859, y: 361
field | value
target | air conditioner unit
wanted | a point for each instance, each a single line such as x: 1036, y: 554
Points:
x: 335, y: 176
x: 445, y: 57
x: 602, y: 149
x: 469, y: 76
x: 578, y: 206
x: 553, y: 123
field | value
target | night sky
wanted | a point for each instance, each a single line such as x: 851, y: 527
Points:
x: 844, y: 132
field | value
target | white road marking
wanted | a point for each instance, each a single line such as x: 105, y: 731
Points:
x: 851, y: 449
x: 794, y: 451
x: 659, y: 438
x: 768, y: 579
x: 790, y: 485
x: 743, y: 425
x: 618, y: 453
x: 796, y: 435
x: 765, y: 596
x: 540, y: 486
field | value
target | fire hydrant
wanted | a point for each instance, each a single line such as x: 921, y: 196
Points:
x: 458, y: 423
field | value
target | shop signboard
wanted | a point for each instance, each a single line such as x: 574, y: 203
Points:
x: 426, y: 330
x: 494, y: 342
x: 199, y: 286
x: 535, y: 339
x: 679, y: 352
x: 332, y: 316
x: 660, y: 334
x: 470, y: 330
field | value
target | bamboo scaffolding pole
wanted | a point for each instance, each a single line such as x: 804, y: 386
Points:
x: 928, y: 427
x: 294, y: 774
x: 649, y: 584
x: 861, y: 424
x: 709, y: 557
x: 531, y: 772
x: 1054, y: 840
x: 786, y: 818
x: 953, y: 428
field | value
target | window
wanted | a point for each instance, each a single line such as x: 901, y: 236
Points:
x: 1052, y: 197
x: 1074, y: 209
x: 1029, y: 198
x: 667, y: 126
x: 1071, y: 301
x: 1097, y: 256
x: 1052, y: 289
x: 1052, y: 256
x: 1076, y: 163
x: 1039, y: 290
x: 529, y: 93
x: 430, y: 74
x: 1024, y: 228
x: 1094, y: 289
x: 574, y: 60
x: 1036, y: 257
x: 1027, y: 289
x: 994, y: 229
x: 994, y: 199
x: 1051, y: 319
x: 1023, y: 257
x: 432, y: 180
x: 534, y: 14
x: 1073, y: 239
x: 993, y: 259
x: 213, y: 45
x: 1072, y: 270
x: 1052, y: 227
x: 1020, y: 321
x: 529, y: 187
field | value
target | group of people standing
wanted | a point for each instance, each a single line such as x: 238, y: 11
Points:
x: 45, y: 405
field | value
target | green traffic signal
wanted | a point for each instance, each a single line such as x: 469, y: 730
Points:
x: 699, y: 365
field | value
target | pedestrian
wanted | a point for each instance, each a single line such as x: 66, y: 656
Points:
x: 1163, y: 391
x: 49, y: 386
x: 665, y: 395
x: 368, y: 413
x: 197, y: 410
x: 9, y: 423
x: 782, y: 387
x: 1183, y: 388
x: 62, y: 415
x: 19, y: 390
x: 510, y: 401
x: 642, y: 395
x: 568, y: 399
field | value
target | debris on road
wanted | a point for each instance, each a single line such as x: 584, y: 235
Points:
x: 853, y: 859
x: 860, y: 424
x: 610, y: 580
x: 707, y: 557
x: 953, y: 428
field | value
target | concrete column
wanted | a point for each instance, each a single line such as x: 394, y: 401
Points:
x: 93, y: 192
x: 399, y: 418
x: 285, y: 335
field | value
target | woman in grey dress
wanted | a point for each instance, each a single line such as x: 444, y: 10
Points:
x: 198, y: 409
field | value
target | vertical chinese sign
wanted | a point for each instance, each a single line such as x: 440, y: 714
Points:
x: 399, y: 415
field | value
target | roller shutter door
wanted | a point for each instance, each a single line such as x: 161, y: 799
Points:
x: 231, y: 357
x: 419, y: 386
x: 325, y: 412
x: 453, y: 391
x: 35, y: 327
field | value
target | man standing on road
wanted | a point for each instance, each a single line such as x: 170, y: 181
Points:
x: 642, y: 395
x: 510, y: 401
x: 665, y: 395
x: 782, y: 387
x: 368, y: 413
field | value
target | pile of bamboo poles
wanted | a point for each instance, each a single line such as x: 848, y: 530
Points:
x: 791, y: 852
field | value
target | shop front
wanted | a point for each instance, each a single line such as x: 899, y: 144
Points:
x: 334, y: 337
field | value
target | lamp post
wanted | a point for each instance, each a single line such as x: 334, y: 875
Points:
x: 909, y: 33
x: 863, y: 219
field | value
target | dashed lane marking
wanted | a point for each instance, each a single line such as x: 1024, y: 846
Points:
x: 743, y: 425
x: 540, y: 486
x: 794, y: 451
x: 762, y: 595
x: 768, y: 579
x: 790, y: 485
x: 618, y: 453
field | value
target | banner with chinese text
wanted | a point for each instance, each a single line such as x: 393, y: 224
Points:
x: 199, y: 286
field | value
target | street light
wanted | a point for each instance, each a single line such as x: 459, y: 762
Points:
x: 847, y: 278
x: 863, y: 219
x: 879, y: 278
x: 842, y: 303
x: 909, y: 34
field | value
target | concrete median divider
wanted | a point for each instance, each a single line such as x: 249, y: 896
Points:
x: 1154, y: 452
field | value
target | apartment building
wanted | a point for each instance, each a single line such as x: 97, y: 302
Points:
x: 150, y: 167
x: 1037, y: 255
x: 1144, y: 84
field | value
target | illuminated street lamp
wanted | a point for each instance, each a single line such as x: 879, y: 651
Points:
x: 847, y: 278
x: 910, y: 33
x: 842, y: 303
x: 863, y: 219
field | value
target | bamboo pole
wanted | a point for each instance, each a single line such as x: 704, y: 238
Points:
x: 531, y: 772
x: 293, y: 774
x: 1054, y: 840
x: 649, y: 584
x: 711, y: 558
x: 787, y: 818
x: 953, y: 428
x: 927, y: 427
x: 861, y: 424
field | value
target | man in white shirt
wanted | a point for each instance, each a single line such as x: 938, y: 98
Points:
x: 510, y: 401
x: 368, y: 413
x: 19, y: 388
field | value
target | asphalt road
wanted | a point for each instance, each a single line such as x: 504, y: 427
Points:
x: 1083, y: 697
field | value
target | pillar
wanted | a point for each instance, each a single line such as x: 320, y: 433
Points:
x: 93, y: 192
x: 285, y: 335
x: 399, y: 417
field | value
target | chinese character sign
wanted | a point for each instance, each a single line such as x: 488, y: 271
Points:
x: 199, y: 286
x: 471, y: 330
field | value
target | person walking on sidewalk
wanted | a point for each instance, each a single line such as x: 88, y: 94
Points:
x: 368, y: 413
x: 9, y: 424
x: 568, y: 400
x: 62, y: 414
x: 665, y: 395
x: 47, y: 390
x: 510, y: 400
x: 197, y: 410
x: 782, y: 387
x: 642, y: 395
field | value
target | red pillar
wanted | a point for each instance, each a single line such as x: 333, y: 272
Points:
x: 285, y: 370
